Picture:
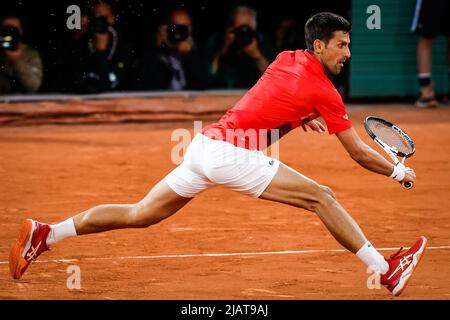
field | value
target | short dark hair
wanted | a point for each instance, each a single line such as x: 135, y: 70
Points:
x: 322, y: 25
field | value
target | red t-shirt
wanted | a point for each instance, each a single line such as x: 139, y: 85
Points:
x: 293, y: 89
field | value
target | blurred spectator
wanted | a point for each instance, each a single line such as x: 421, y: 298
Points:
x: 238, y: 57
x: 287, y: 36
x: 20, y: 66
x: 174, y: 62
x: 97, y: 57
x: 430, y: 19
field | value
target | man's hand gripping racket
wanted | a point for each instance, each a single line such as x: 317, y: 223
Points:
x: 395, y: 142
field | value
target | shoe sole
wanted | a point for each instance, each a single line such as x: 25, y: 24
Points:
x: 404, y: 279
x: 17, y: 264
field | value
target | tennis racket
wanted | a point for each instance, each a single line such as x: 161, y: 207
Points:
x: 393, y: 140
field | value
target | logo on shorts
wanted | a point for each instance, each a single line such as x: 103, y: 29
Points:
x: 271, y: 162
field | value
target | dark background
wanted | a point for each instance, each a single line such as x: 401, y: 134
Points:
x: 45, y: 21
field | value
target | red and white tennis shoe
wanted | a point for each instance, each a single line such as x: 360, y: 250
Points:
x: 401, y: 267
x: 31, y: 242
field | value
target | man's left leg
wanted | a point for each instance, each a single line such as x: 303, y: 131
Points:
x: 164, y: 199
x: 35, y: 237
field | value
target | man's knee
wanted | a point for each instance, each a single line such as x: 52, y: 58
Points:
x: 322, y: 196
x: 141, y: 216
x: 328, y: 191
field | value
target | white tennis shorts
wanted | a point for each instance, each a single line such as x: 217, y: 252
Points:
x: 209, y: 162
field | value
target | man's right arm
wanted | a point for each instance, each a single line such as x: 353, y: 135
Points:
x: 366, y: 156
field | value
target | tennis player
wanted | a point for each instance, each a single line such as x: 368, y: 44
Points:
x: 293, y: 92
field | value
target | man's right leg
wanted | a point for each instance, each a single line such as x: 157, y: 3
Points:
x: 34, y: 237
x: 290, y: 187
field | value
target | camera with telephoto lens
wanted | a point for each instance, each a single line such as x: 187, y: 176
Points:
x: 9, y: 38
x: 98, y: 24
x: 177, y: 33
x: 244, y: 35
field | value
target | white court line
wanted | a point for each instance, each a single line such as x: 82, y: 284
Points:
x: 231, y: 254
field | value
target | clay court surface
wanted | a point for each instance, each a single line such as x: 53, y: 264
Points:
x: 264, y: 250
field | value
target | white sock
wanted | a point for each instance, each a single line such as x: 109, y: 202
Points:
x: 372, y: 258
x: 61, y: 231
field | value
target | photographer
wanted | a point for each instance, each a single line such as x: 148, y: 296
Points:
x: 238, y: 60
x: 20, y: 66
x: 174, y: 62
x: 288, y: 35
x: 96, y: 58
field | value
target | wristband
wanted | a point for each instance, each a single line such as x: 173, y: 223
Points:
x: 398, y: 174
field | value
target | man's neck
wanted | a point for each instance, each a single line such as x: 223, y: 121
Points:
x: 325, y: 70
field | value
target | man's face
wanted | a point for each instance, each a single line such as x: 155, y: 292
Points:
x: 336, y: 52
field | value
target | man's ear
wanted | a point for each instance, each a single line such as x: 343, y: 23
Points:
x: 318, y: 46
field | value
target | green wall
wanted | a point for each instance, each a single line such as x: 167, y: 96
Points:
x: 383, y: 61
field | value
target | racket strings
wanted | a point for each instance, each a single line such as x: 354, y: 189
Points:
x: 390, y: 136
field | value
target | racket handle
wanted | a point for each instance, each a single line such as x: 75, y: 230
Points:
x: 407, y: 185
